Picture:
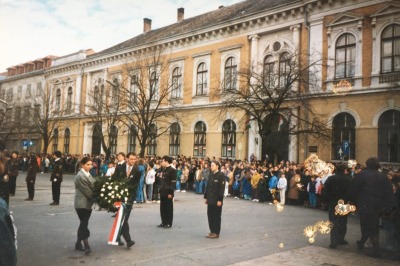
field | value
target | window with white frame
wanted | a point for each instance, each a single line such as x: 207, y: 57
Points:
x: 176, y: 91
x: 268, y: 72
x: 134, y: 89
x: 115, y: 93
x: 19, y: 92
x: 55, y: 139
x: 201, y: 79
x: 200, y: 131
x: 230, y: 74
x: 390, y: 54
x: 389, y: 136
x: 174, y: 139
x: 152, y: 147
x: 345, y: 56
x: 58, y: 100
x: 28, y: 91
x: 69, y: 99
x: 10, y: 95
x: 229, y: 139
x: 39, y: 89
x: 2, y: 94
x: 67, y: 135
x: 153, y: 90
x: 113, y: 139
x: 132, y: 139
x: 284, y: 69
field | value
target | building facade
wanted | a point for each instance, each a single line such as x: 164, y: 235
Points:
x: 355, y: 88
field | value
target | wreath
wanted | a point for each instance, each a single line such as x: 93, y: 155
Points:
x: 107, y: 192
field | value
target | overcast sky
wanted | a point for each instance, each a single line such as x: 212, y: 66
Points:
x: 31, y: 29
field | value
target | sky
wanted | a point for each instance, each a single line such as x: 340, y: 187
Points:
x: 32, y: 29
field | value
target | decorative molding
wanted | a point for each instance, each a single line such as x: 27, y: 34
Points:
x: 390, y: 8
x: 233, y: 47
x: 345, y: 18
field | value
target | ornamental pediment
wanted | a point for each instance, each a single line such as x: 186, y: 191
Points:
x: 345, y: 18
x: 389, y: 9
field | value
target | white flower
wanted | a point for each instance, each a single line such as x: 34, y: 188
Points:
x: 103, y: 189
x: 118, y: 195
x: 107, y: 183
x: 122, y: 192
x: 109, y: 201
x: 126, y: 189
x: 101, y: 195
x: 126, y: 199
x: 105, y: 198
x: 109, y: 194
x: 109, y: 187
x: 116, y: 187
x: 112, y: 196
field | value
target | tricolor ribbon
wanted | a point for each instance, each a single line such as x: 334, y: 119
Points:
x: 115, y: 233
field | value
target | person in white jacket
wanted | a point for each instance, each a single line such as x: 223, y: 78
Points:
x: 150, y: 178
x: 282, y: 185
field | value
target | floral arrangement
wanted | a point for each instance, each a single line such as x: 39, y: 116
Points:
x: 107, y: 191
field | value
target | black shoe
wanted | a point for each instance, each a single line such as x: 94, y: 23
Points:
x: 167, y: 226
x: 360, y: 245
x: 88, y: 251
x: 28, y: 199
x: 332, y: 246
x: 79, y: 247
x: 130, y: 243
x: 344, y: 242
x: 54, y: 203
x: 375, y: 254
x: 160, y: 225
x: 120, y: 243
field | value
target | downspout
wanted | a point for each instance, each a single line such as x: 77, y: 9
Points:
x: 307, y: 24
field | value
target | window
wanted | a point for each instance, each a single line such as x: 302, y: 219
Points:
x: 200, y: 139
x: 230, y: 75
x: 151, y: 149
x: 36, y: 111
x: 268, y: 72
x: 390, y: 59
x: 343, y: 129
x: 39, y: 89
x: 284, y: 69
x: 228, y: 139
x: 2, y: 94
x: 17, y: 114
x: 113, y: 139
x: 8, y: 115
x: 19, y: 92
x: 389, y: 137
x: 69, y: 99
x: 26, y: 119
x: 345, y: 56
x: 132, y: 139
x: 67, y: 135
x: 174, y: 139
x: 115, y: 93
x: 201, y: 81
x: 134, y: 89
x: 55, y: 139
x: 153, y: 86
x: 176, y: 83
x: 28, y: 91
x: 10, y: 95
x: 58, y: 100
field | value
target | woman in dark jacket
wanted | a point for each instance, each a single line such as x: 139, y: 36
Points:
x: 31, y: 177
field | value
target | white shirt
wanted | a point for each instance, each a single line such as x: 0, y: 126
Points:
x: 282, y: 183
x: 150, y: 177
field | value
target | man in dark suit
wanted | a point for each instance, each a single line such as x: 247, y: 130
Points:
x: 372, y: 193
x: 56, y: 178
x: 120, y: 168
x: 13, y: 167
x: 131, y: 175
x: 167, y: 188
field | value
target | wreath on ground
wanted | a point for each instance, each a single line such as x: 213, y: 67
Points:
x: 107, y: 192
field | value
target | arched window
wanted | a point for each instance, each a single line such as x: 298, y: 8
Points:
x: 228, y: 139
x: 200, y: 139
x: 96, y: 139
x: 390, y: 57
x: 268, y: 72
x: 67, y: 135
x: 176, y: 83
x: 114, y: 139
x: 284, y: 69
x: 151, y: 149
x: 96, y: 93
x: 58, y: 99
x: 389, y: 137
x: 153, y: 86
x: 345, y: 56
x: 134, y: 89
x: 174, y: 139
x: 201, y: 80
x: 115, y: 93
x: 55, y: 139
x: 132, y: 139
x: 343, y: 130
x: 69, y: 99
x: 230, y: 74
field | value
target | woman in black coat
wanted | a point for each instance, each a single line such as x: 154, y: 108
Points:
x: 31, y: 176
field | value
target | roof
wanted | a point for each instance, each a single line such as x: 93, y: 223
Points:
x: 210, y: 19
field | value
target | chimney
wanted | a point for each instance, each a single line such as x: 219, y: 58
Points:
x: 181, y: 13
x: 146, y: 25
x: 220, y: 7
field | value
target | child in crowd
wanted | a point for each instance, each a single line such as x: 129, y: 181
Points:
x: 311, y: 189
x: 282, y: 185
x: 111, y: 169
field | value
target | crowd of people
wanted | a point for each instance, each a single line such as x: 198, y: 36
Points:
x: 257, y: 181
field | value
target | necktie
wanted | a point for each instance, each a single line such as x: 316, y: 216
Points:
x: 128, y: 171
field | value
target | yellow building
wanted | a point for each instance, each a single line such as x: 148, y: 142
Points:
x: 355, y: 91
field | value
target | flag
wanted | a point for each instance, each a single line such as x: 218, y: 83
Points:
x: 116, y: 228
x: 280, y: 122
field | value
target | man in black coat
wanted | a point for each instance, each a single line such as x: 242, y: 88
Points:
x: 120, y: 168
x: 13, y: 167
x: 335, y: 188
x: 167, y: 188
x: 372, y: 192
x: 56, y: 178
x: 214, y: 196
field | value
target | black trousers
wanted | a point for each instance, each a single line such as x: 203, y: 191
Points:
x: 12, y: 184
x: 125, y: 225
x: 56, y: 189
x: 83, y: 230
x: 31, y: 189
x: 166, y: 210
x: 339, y: 229
x: 369, y: 224
x: 214, y: 218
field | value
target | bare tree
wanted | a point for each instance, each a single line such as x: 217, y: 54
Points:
x: 102, y: 108
x: 154, y: 96
x: 47, y: 113
x: 275, y: 98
